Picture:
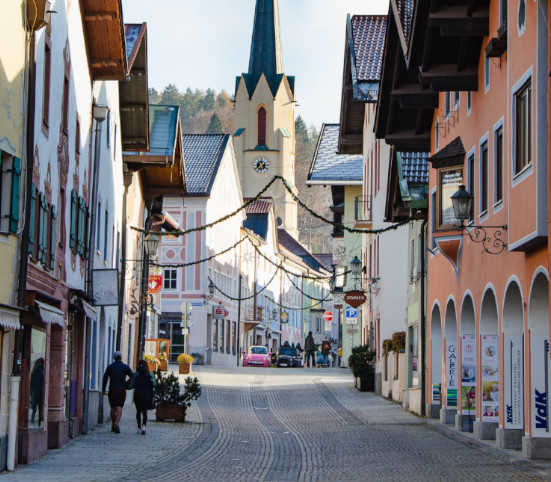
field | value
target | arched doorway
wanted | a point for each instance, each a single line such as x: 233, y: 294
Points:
x: 436, y: 362
x: 511, y: 426
x: 451, y: 377
x: 487, y: 397
x: 467, y: 329
x: 539, y: 444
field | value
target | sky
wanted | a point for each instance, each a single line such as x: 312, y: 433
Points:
x: 206, y: 44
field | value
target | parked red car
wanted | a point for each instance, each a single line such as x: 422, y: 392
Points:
x: 257, y: 356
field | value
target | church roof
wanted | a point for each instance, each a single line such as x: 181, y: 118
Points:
x: 202, y: 156
x: 266, y: 54
x: 329, y: 167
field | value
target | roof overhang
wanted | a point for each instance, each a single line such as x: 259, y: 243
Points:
x: 328, y: 182
x: 134, y: 92
x: 104, y: 37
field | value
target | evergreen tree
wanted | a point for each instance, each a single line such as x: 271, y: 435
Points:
x: 171, y: 95
x: 154, y: 96
x: 215, y: 126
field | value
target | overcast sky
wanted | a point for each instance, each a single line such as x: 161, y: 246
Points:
x: 206, y: 43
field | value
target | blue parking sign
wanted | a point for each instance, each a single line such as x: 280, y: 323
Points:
x: 351, y: 312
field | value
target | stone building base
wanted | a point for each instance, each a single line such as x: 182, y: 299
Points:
x: 447, y: 415
x: 509, y: 438
x: 485, y: 430
x: 464, y: 423
x: 536, y: 448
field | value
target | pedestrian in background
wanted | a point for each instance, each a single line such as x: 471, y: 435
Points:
x: 310, y: 349
x: 143, y: 383
x: 325, y: 349
x: 117, y: 374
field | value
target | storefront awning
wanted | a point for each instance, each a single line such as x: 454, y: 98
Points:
x: 50, y: 314
x: 9, y: 319
x: 90, y: 311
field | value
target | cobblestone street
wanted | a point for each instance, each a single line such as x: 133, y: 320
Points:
x: 281, y: 425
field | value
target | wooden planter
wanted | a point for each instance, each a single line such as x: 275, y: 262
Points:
x: 166, y: 413
x: 184, y: 368
x: 164, y: 365
x: 365, y: 384
x: 152, y: 367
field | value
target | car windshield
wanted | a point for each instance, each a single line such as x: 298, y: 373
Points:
x: 258, y: 350
x: 288, y: 351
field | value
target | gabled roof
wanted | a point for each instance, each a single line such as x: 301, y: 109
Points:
x: 326, y: 260
x: 414, y: 166
x: 287, y: 242
x: 133, y: 91
x: 451, y: 155
x: 331, y: 168
x: 260, y: 206
x: 203, y: 154
x: 363, y: 58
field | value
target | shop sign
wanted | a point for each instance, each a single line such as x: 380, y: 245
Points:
x: 513, y: 390
x: 218, y: 312
x: 155, y: 283
x: 490, y: 378
x: 355, y: 298
x: 451, y: 372
x: 105, y: 287
x: 540, y: 367
x: 468, y: 374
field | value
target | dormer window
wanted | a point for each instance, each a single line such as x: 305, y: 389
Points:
x: 261, y: 127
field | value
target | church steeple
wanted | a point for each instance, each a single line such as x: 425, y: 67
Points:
x: 266, y: 55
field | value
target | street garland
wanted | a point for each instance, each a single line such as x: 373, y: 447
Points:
x: 338, y: 226
x: 288, y: 308
x: 300, y: 290
x: 248, y: 297
x: 204, y: 260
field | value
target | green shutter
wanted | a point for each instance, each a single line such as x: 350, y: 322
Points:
x: 81, y: 225
x: 45, y: 226
x: 15, y: 194
x: 87, y: 231
x: 32, y: 218
x: 74, y: 207
x: 40, y: 236
x: 53, y: 217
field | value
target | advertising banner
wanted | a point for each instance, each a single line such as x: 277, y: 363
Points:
x: 539, y: 347
x: 468, y: 374
x: 490, y: 378
x: 513, y: 393
x: 451, y: 374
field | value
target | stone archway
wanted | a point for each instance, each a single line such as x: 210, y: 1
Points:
x: 488, y: 394
x: 538, y: 443
x: 433, y: 406
x: 451, y: 376
x: 511, y: 427
x: 467, y: 335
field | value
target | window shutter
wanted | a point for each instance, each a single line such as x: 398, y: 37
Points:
x: 32, y: 219
x: 40, y: 236
x: 87, y: 234
x: 73, y: 234
x: 81, y: 221
x: 45, y: 226
x: 14, y: 209
x: 52, y: 235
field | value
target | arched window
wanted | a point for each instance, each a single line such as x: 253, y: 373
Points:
x: 262, y: 126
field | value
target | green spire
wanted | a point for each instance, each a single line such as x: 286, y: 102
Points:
x: 266, y: 55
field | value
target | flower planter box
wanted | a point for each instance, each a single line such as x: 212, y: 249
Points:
x: 164, y: 365
x: 152, y: 367
x: 184, y: 368
x: 365, y: 384
x: 165, y: 413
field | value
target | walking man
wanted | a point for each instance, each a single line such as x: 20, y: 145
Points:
x: 116, y: 373
x: 310, y: 349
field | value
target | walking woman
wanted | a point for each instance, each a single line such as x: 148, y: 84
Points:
x: 144, y: 383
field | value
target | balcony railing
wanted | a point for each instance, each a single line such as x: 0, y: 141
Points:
x: 363, y: 208
x: 249, y: 313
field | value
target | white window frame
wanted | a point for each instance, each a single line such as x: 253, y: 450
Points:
x: 485, y: 139
x: 498, y: 203
x: 529, y: 168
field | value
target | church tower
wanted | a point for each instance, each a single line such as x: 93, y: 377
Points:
x: 264, y: 140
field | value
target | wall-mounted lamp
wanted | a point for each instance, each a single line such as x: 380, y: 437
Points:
x: 462, y: 201
x: 356, y: 270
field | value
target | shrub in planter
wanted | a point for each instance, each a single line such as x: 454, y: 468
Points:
x: 399, y: 341
x: 184, y: 363
x: 387, y: 346
x: 362, y: 364
x: 171, y: 403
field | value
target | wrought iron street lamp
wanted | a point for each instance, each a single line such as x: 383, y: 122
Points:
x: 151, y: 243
x: 462, y: 201
x: 356, y: 270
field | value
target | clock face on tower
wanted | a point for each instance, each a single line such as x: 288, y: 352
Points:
x: 261, y: 165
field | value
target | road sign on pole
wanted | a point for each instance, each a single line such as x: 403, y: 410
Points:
x: 351, y: 316
x: 328, y: 316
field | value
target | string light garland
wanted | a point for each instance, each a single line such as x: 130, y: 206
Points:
x: 287, y: 186
x: 246, y: 298
x: 288, y: 308
x: 300, y: 290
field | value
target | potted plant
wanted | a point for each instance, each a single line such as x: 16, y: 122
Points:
x: 163, y: 362
x: 170, y: 402
x: 152, y: 362
x: 184, y: 363
x: 362, y: 364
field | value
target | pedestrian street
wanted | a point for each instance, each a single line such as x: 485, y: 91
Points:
x: 272, y: 424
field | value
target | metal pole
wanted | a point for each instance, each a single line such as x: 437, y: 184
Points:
x: 239, y: 318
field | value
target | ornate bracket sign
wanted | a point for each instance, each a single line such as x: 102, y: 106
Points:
x: 155, y: 283
x: 355, y: 298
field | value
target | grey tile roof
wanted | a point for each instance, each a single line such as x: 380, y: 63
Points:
x: 369, y: 41
x: 131, y: 32
x: 329, y: 166
x: 405, y: 10
x: 415, y: 167
x: 289, y: 243
x: 451, y: 153
x: 202, y: 155
x: 260, y: 206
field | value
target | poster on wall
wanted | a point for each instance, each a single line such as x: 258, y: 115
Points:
x: 490, y: 378
x: 513, y: 393
x: 451, y: 375
x: 468, y: 374
x: 539, y: 347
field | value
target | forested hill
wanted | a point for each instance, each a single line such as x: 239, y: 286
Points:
x: 209, y: 112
